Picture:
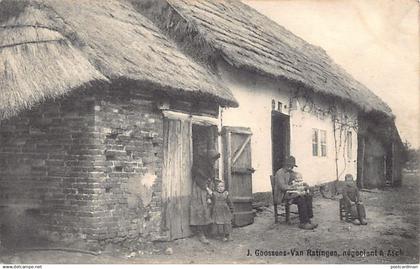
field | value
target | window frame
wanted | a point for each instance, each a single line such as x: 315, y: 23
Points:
x: 315, y: 142
x: 319, y: 143
x: 323, y: 143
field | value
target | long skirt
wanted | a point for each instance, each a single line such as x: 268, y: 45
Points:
x: 199, y: 209
x: 221, y: 229
x: 357, y: 211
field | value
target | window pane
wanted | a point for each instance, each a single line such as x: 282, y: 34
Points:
x: 349, y: 145
x: 323, y: 137
x: 323, y: 143
x: 314, y: 136
x: 314, y: 142
x: 323, y: 150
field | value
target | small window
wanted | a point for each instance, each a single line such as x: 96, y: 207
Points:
x: 315, y: 142
x: 319, y: 143
x: 349, y: 145
x: 280, y: 106
x: 323, y: 143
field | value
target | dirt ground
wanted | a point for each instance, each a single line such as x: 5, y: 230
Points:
x: 393, y: 217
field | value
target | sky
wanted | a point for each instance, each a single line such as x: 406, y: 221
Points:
x: 376, y: 41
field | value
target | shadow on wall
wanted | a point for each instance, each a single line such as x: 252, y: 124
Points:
x: 19, y: 227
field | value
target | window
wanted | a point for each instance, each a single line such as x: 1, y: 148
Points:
x: 280, y: 106
x: 349, y: 145
x: 323, y: 143
x: 319, y: 143
x: 315, y: 142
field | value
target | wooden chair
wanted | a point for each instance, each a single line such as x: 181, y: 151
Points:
x: 342, y: 211
x: 287, y: 204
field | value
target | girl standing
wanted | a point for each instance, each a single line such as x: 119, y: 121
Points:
x: 222, y: 211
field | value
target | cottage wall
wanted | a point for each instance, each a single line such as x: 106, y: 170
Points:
x: 47, y: 172
x: 82, y: 167
x: 131, y: 133
x: 255, y: 94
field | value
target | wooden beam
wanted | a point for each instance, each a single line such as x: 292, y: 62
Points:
x: 200, y: 120
x: 362, y: 164
x: 393, y: 163
x: 228, y: 158
x: 237, y: 130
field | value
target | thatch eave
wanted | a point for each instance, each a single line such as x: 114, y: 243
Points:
x: 51, y: 47
x: 160, y: 90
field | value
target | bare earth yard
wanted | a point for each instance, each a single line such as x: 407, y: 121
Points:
x: 390, y: 237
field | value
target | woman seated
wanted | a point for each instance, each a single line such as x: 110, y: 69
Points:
x: 352, y: 201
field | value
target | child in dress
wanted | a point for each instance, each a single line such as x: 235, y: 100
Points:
x: 222, y: 211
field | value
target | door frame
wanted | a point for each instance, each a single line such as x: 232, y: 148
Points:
x: 286, y: 134
x: 192, y: 119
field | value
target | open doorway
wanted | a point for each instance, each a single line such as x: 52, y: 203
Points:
x: 180, y: 140
x: 280, y: 139
x: 204, y: 137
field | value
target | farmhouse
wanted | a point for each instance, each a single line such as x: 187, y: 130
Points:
x: 292, y: 97
x: 87, y: 149
x: 105, y: 104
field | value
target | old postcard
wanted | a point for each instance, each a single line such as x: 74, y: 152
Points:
x: 201, y: 131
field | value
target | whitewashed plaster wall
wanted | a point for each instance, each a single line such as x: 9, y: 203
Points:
x: 255, y: 94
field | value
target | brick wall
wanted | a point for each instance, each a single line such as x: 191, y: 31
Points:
x: 47, y: 171
x: 132, y: 136
x: 82, y: 168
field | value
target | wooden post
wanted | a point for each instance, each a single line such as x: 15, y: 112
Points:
x: 336, y: 150
x: 227, y: 157
x: 393, y: 163
x: 362, y: 163
x: 272, y: 181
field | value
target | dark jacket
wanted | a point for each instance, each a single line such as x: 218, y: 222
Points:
x: 281, y: 183
x: 203, y: 171
x: 351, y: 194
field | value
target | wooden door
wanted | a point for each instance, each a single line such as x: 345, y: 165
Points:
x: 238, y: 172
x: 176, y: 177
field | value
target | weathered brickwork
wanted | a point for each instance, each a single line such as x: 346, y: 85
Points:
x: 47, y: 169
x: 131, y: 133
x: 84, y: 168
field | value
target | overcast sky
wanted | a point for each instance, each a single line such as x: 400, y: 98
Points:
x: 377, y: 41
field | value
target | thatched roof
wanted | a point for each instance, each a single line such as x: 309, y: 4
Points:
x: 50, y: 47
x: 249, y: 40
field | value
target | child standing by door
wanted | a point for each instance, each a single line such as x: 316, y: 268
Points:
x: 222, y: 211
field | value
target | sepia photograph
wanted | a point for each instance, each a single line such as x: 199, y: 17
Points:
x: 209, y: 132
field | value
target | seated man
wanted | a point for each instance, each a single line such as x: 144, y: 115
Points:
x: 352, y: 201
x: 283, y: 180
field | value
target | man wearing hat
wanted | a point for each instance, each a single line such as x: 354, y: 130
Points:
x: 283, y: 179
x: 203, y: 173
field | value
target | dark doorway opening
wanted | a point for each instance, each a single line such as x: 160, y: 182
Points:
x: 280, y: 139
x: 204, y: 138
